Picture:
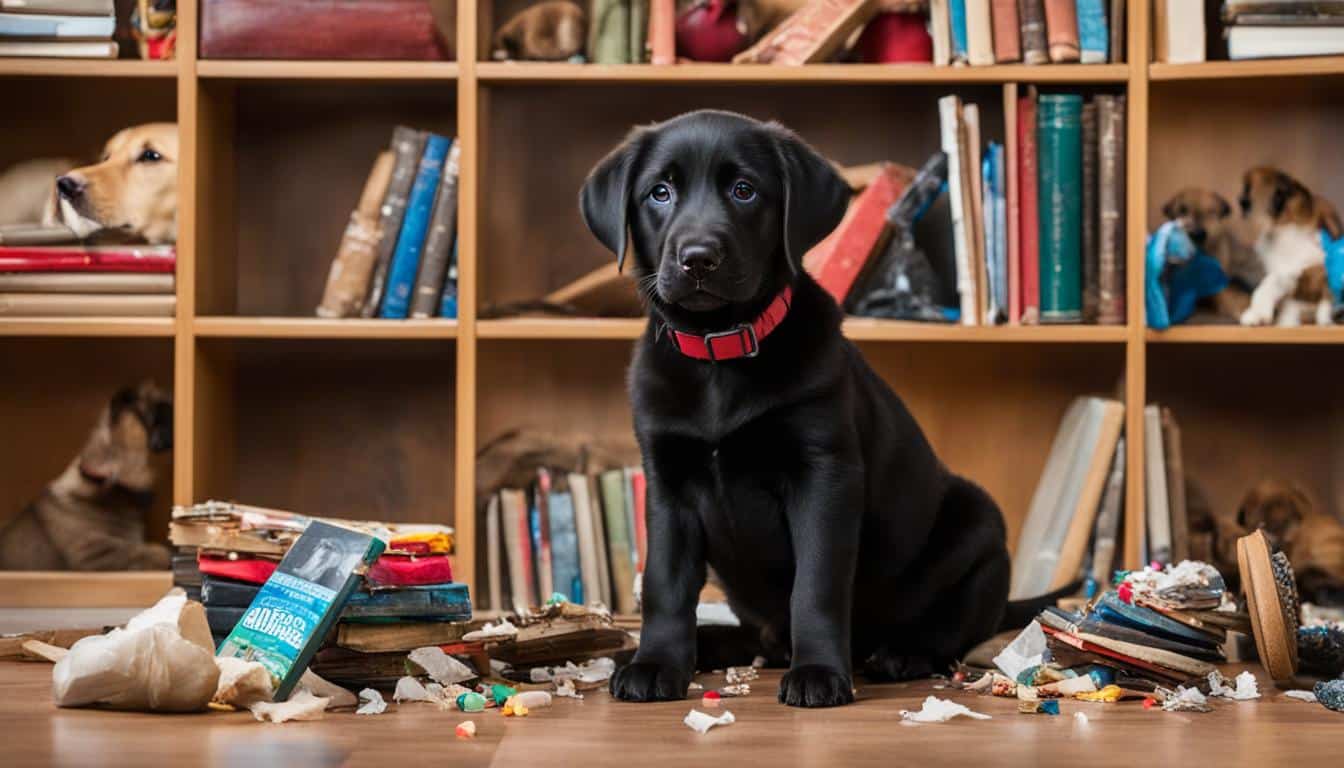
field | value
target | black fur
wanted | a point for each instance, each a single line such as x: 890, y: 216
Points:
x: 798, y: 475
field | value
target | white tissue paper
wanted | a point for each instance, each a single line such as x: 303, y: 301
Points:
x: 701, y: 723
x: 441, y: 667
x: 500, y: 631
x: 1301, y: 695
x: 301, y: 706
x: 241, y: 683
x: 371, y: 703
x: 936, y: 710
x: 1246, y: 688
x: 1027, y: 650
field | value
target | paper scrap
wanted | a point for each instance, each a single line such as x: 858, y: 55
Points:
x: 410, y: 689
x: 1245, y: 689
x: 565, y: 689
x: 466, y: 729
x: 701, y: 723
x: 371, y: 703
x: 589, y: 673
x: 52, y: 653
x: 735, y: 675
x: 501, y: 631
x: 340, y: 697
x: 936, y: 710
x: 1027, y: 650
x: 1187, y: 700
x: 1301, y: 695
x: 241, y: 683
x: 301, y: 706
x: 440, y: 667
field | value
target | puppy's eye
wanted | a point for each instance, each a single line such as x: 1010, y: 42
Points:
x: 743, y: 192
x: 661, y: 194
x: 150, y: 155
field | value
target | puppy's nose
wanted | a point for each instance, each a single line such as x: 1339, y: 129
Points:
x: 1245, y: 203
x: 70, y: 187
x: 698, y: 260
x: 1199, y: 235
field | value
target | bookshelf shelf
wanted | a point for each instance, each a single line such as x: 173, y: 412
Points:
x: 320, y: 328
x: 327, y: 70
x: 47, y: 589
x: 86, y: 68
x: 1236, y: 334
x: 864, y: 329
x: 560, y: 328
x: 816, y: 74
x: 1254, y: 68
x: 88, y: 326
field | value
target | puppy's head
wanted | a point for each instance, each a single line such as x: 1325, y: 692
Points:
x: 1271, y: 198
x: 717, y: 208
x: 137, y: 423
x: 133, y: 186
x: 1275, y: 507
x: 1200, y: 212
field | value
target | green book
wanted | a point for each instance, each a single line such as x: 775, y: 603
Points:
x: 618, y: 541
x: 1059, y: 138
x: 609, y: 32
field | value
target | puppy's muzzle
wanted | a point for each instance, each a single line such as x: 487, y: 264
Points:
x: 71, y: 187
x: 698, y: 260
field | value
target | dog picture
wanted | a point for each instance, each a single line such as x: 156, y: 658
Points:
x: 1310, y: 537
x: 132, y: 188
x: 1288, y: 220
x: 773, y: 453
x: 91, y: 518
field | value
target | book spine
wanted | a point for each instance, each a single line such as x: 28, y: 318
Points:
x: 609, y: 32
x: 1061, y: 30
x: 566, y: 571
x: 448, y: 300
x: 618, y: 542
x: 407, y: 145
x: 663, y: 32
x: 541, y: 534
x: 493, y: 550
x: 53, y: 27
x: 949, y: 109
x: 990, y: 233
x: 1012, y: 161
x: 1110, y: 204
x: 1029, y: 252
x: 1091, y: 265
x: 1117, y: 32
x: 56, y: 259
x: 1007, y: 31
x: 70, y: 7
x: 857, y: 238
x: 940, y: 29
x: 979, y: 35
x: 639, y: 32
x: 66, y: 282
x: 1093, y: 36
x: 87, y: 304
x: 960, y: 43
x: 974, y: 204
x: 439, y: 243
x: 405, y: 263
x: 1059, y: 129
x: 261, y: 29
x: 351, y: 270
x: 1108, y: 519
x: 1155, y: 472
x: 640, y: 495
x: 1034, y: 47
x: 1000, y: 235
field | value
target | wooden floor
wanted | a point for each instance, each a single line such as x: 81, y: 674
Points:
x: 598, y: 732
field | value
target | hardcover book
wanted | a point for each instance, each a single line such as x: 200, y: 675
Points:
x: 448, y: 300
x: 1059, y: 129
x: 407, y: 145
x: 979, y: 37
x: 663, y: 32
x: 1012, y: 162
x: 949, y: 113
x: 1094, y: 38
x: 1107, y: 530
x: 429, y: 602
x: 1061, y: 30
x: 566, y: 574
x: 1007, y: 31
x: 59, y: 49
x: 74, y: 282
x: 1091, y: 264
x: 494, y: 568
x: 72, y: 7
x: 1029, y: 251
x: 429, y: 284
x: 1111, y: 209
x: 1156, y: 499
x: 1117, y: 31
x: 99, y: 258
x: 1035, y: 49
x: 940, y: 29
x: 87, y: 304
x: 960, y: 33
x: 518, y: 544
x: 405, y: 264
x: 838, y: 261
x: 539, y: 522
x: 618, y: 541
x: 348, y: 280
x: 585, y: 535
x: 812, y: 34
x: 52, y: 26
x: 299, y: 604
x: 1175, y: 468
x: 319, y: 29
x: 1178, y: 31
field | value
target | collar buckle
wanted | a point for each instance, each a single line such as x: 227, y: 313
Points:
x: 743, y: 328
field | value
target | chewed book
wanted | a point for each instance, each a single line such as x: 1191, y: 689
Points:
x: 297, y: 606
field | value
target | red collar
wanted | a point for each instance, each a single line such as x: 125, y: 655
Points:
x: 741, y: 341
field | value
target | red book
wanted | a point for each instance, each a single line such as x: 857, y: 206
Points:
x: 249, y: 569
x: 403, y: 30
x: 663, y: 32
x: 107, y: 258
x: 838, y: 261
x: 637, y: 492
x: 545, y: 578
x: 1029, y: 226
x: 1007, y: 37
x: 410, y: 570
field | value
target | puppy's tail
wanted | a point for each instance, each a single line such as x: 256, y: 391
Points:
x: 1019, y: 613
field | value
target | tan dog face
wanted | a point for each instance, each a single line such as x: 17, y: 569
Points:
x: 1271, y: 198
x: 137, y: 423
x: 1275, y: 507
x: 133, y: 187
x: 1202, y: 213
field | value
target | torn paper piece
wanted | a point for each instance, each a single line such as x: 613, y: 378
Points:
x: 1027, y: 650
x: 1069, y: 687
x: 532, y: 699
x: 565, y: 689
x: 441, y: 667
x: 1246, y: 688
x: 936, y: 710
x: 701, y: 723
x: 52, y: 653
x: 371, y: 703
x: 339, y: 697
x: 587, y: 674
x: 410, y: 689
x: 1301, y: 696
x: 501, y: 631
x: 301, y: 706
x: 466, y: 729
x: 1187, y: 700
x: 241, y: 683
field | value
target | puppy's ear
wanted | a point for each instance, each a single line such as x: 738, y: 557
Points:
x: 1169, y: 210
x: 1330, y: 220
x: 815, y: 196
x: 605, y: 197
x: 1224, y: 208
x: 1284, y: 187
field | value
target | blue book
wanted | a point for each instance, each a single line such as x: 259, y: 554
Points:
x: 405, y: 263
x: 1000, y: 230
x: 434, y: 602
x: 1093, y: 36
x: 40, y: 25
x: 991, y: 222
x: 957, y: 14
x: 565, y: 570
x: 448, y: 301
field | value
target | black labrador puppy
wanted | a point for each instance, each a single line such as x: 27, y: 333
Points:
x: 773, y: 453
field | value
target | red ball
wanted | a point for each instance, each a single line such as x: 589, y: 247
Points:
x: 707, y: 31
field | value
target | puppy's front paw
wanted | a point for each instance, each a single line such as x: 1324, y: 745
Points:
x: 815, y: 686
x: 1254, y: 316
x: 647, y: 681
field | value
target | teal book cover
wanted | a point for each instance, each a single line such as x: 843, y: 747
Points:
x: 957, y: 17
x: 433, y: 602
x: 1094, y: 38
x: 1059, y: 139
x: 565, y: 567
x: 297, y: 606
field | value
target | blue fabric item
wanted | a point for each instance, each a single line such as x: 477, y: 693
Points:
x: 1334, y: 266
x: 1199, y: 277
x: 1176, y: 276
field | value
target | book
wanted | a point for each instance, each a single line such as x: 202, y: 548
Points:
x: 970, y: 165
x: 838, y: 261
x: 949, y: 114
x: 618, y: 541
x: 398, y: 636
x: 813, y: 33
x: 637, y: 41
x: 75, y: 282
x: 1107, y: 530
x: 940, y: 29
x: 1012, y: 159
x: 1061, y: 30
x: 585, y: 535
x: 540, y: 528
x: 54, y: 26
x: 1007, y: 31
x: 1090, y: 257
x: 960, y: 33
x: 37, y: 234
x: 609, y: 32
x: 979, y: 35
x: 1174, y: 464
x: 297, y: 607
x: 87, y: 304
x: 1111, y: 207
x: 1094, y: 37
x: 407, y: 147
x: 600, y: 540
x: 628, y: 488
x: 1178, y: 31
x: 348, y: 279
x: 638, y: 493
x: 1095, y: 469
x: 566, y: 571
x: 663, y: 32
x: 428, y: 602
x: 991, y: 233
x: 405, y: 263
x: 93, y: 49
x: 101, y: 258
x: 1000, y: 281
x: 1035, y: 48
x: 1111, y: 609
x: 1029, y: 222
x: 1156, y: 502
x: 1277, y: 41
x: 438, y: 248
x: 448, y: 300
x: 1117, y: 29
x: 401, y: 30
x: 518, y: 544
x: 71, y: 7
x: 1059, y: 134
x: 1233, y: 10
x: 494, y: 576
x: 227, y: 593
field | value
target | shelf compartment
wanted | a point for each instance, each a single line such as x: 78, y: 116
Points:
x: 326, y: 70
x: 322, y: 328
x: 503, y: 73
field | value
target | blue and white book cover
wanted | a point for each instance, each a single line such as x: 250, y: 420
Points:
x: 1094, y: 37
x: 405, y: 263
x: 957, y: 13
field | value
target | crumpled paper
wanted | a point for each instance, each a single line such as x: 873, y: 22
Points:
x: 501, y: 631
x: 565, y: 689
x: 162, y: 661
x: 440, y: 667
x: 589, y: 673
x: 936, y: 710
x: 1245, y: 689
x: 1187, y: 700
x: 1027, y: 650
x: 411, y: 689
x: 241, y: 683
x: 301, y: 706
x: 701, y: 723
x: 371, y: 703
x: 338, y: 696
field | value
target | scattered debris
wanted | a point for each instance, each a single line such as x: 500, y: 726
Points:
x: 440, y: 667
x: 1301, y: 695
x: 466, y: 729
x: 532, y: 699
x: 936, y: 710
x: 565, y: 689
x: 701, y: 723
x: 411, y: 689
x: 586, y: 676
x: 1186, y: 700
x: 339, y: 697
x: 734, y: 675
x: 1109, y: 694
x: 1245, y: 689
x: 1038, y: 706
x: 1080, y: 718
x: 371, y: 703
x: 1072, y: 686
x: 301, y: 706
x: 15, y: 647
x: 1331, y: 694
x: 1026, y: 651
x: 471, y: 702
x: 501, y: 631
x: 47, y: 651
x: 241, y: 683
x: 513, y: 710
x: 733, y: 691
x: 711, y: 699
x: 499, y: 694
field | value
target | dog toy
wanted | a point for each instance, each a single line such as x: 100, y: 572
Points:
x: 1177, y: 274
x: 1334, y: 272
x: 154, y: 24
x: 708, y: 30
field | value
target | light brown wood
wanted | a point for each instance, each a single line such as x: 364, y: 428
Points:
x: 88, y: 326
x: 65, y: 589
x: 86, y: 68
x: 1240, y: 334
x: 1136, y: 192
x: 470, y: 120
x: 817, y: 74
x: 327, y: 70
x: 321, y: 328
x: 1216, y: 70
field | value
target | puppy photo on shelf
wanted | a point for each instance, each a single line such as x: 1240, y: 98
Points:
x: 773, y: 453
x: 132, y: 189
x: 1206, y: 217
x: 91, y: 517
x: 1288, y: 221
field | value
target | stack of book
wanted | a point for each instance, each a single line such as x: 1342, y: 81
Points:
x: 398, y: 256
x: 984, y: 32
x: 581, y: 536
x: 236, y: 548
x: 79, y: 280
x: 1258, y: 29
x: 75, y: 29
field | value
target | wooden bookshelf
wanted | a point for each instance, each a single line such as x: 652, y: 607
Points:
x: 371, y: 418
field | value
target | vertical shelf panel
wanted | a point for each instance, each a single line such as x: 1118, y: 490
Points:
x: 470, y: 118
x: 1136, y: 175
